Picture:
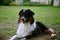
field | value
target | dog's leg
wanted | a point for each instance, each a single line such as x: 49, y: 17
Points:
x: 50, y: 32
x: 23, y: 39
x: 13, y: 38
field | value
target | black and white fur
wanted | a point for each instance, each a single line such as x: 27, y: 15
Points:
x: 29, y: 28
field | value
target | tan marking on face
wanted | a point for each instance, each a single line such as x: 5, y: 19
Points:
x: 20, y: 20
x: 30, y: 20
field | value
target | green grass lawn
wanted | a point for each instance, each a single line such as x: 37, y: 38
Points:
x: 48, y: 15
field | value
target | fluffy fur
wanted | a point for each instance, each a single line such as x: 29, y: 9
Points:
x: 29, y: 28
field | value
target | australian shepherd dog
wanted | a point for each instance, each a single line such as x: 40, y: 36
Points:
x: 29, y: 28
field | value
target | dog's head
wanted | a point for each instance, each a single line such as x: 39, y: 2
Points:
x: 26, y: 15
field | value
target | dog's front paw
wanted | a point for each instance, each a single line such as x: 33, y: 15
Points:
x: 54, y: 38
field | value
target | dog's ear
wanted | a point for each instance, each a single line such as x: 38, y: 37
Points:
x: 20, y: 11
x: 31, y: 12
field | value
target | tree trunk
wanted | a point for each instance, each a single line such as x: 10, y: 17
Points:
x: 52, y: 2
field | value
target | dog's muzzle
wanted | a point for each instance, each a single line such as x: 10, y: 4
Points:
x: 23, y: 19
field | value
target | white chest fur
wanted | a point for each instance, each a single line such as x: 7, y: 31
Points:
x: 25, y: 29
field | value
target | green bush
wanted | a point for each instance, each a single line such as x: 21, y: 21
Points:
x: 33, y: 4
x: 26, y: 1
x: 12, y: 3
x: 5, y: 2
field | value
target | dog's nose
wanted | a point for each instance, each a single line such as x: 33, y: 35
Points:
x: 22, y: 19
